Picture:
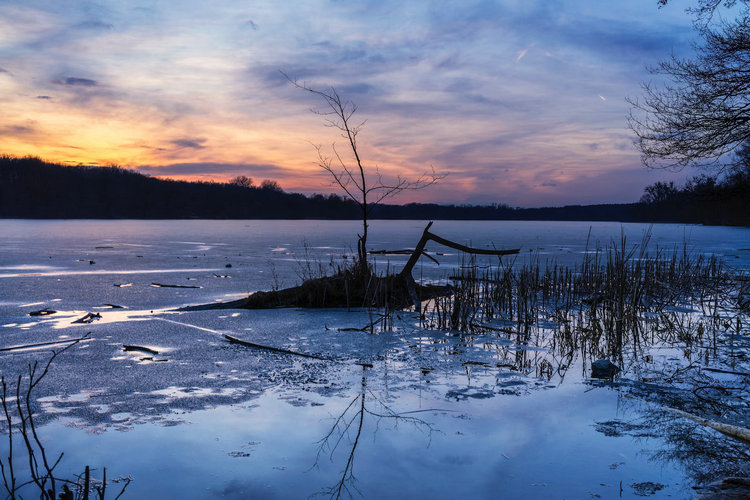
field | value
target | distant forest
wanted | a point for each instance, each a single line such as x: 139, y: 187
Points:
x: 33, y: 188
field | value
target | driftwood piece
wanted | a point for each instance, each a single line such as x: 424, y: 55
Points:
x: 234, y: 340
x: 42, y: 312
x: 139, y: 348
x: 41, y: 344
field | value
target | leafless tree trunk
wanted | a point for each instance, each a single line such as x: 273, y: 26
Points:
x: 359, y: 183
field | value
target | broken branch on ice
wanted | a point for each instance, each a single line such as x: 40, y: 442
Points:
x: 235, y: 340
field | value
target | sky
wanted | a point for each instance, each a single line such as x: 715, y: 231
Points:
x: 521, y: 102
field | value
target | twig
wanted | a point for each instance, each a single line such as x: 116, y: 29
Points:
x: 26, y: 346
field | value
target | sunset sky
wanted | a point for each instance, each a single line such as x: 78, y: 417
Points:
x: 519, y: 102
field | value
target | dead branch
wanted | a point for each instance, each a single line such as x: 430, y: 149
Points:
x: 427, y: 236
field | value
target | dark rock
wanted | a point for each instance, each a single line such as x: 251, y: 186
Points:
x: 604, y: 368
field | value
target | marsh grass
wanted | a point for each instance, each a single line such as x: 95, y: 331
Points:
x: 617, y: 303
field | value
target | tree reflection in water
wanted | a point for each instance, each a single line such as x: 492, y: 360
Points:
x: 347, y: 428
x: 706, y: 454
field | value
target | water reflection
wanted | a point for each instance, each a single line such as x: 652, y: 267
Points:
x: 347, y: 430
x: 706, y: 455
x: 36, y: 471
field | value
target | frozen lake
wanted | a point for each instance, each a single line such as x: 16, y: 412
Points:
x: 409, y: 413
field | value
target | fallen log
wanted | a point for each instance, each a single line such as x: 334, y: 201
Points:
x: 234, y: 340
x: 734, y: 431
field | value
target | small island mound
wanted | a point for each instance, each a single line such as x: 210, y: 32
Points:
x: 357, y: 286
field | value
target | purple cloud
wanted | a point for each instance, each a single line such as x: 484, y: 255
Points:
x: 196, y: 143
x: 77, y: 82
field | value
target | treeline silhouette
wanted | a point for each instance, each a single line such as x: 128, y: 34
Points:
x: 33, y: 188
x: 703, y: 199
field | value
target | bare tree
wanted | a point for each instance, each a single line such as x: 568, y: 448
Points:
x: 270, y: 185
x: 242, y: 181
x: 704, y: 114
x: 705, y: 9
x: 365, y: 186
